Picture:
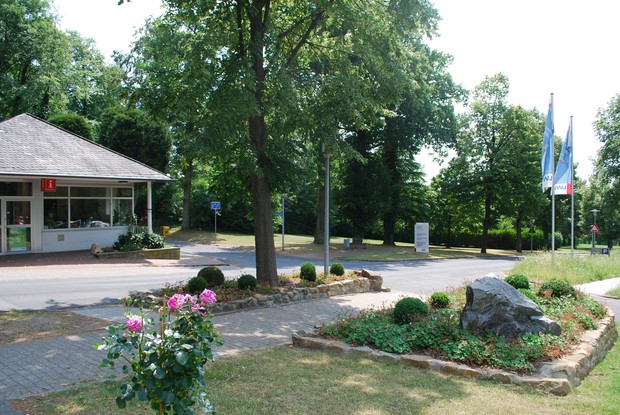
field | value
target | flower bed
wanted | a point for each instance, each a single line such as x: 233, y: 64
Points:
x: 437, y: 336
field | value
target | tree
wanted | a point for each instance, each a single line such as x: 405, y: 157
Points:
x: 33, y: 59
x: 267, y: 59
x: 77, y: 124
x: 136, y: 135
x: 492, y: 137
x: 520, y: 198
x: 607, y: 130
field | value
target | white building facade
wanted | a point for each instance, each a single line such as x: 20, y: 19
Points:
x: 61, y: 192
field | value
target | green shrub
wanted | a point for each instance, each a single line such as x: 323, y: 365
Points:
x: 247, y: 282
x: 518, y: 281
x: 336, y: 269
x: 529, y: 294
x: 439, y: 300
x: 196, y: 285
x: 556, y: 288
x: 308, y: 271
x: 213, y: 276
x: 407, y: 309
x: 137, y: 241
x: 152, y: 241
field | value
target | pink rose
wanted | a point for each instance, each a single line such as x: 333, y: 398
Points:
x: 176, y: 301
x: 207, y: 297
x: 134, y: 323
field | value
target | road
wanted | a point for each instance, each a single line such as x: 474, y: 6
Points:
x: 53, y: 287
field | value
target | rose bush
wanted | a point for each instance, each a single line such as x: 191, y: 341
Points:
x: 166, y: 358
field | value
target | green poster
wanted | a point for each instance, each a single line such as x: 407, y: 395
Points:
x: 18, y: 239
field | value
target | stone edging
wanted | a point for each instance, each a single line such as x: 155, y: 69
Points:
x: 357, y: 286
x: 155, y: 253
x: 558, y: 377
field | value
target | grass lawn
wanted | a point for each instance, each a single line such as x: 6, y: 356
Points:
x: 290, y: 381
x: 575, y: 269
x: 302, y: 245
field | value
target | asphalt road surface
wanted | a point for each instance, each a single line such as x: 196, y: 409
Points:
x: 52, y: 287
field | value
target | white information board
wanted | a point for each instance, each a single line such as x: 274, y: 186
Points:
x: 420, y: 237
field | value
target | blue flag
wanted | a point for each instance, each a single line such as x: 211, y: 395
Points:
x: 564, y: 170
x: 547, y: 150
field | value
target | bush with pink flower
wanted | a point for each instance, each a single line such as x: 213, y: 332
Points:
x: 166, y: 358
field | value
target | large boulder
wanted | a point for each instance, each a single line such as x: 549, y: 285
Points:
x: 492, y: 305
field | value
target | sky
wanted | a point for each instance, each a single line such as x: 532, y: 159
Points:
x: 564, y: 47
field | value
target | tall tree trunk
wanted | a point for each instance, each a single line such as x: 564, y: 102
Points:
x: 486, y: 224
x: 519, y: 231
x: 266, y: 268
x: 319, y: 229
x: 449, y: 236
x: 187, y: 194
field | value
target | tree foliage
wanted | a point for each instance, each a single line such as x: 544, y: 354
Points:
x: 497, y: 141
x: 77, y: 124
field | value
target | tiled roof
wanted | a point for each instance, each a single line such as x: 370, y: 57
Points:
x: 30, y: 146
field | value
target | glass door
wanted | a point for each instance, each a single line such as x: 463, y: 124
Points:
x: 17, y: 232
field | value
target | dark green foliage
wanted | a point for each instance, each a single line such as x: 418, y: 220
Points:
x: 556, y: 288
x: 247, y: 282
x: 336, y: 269
x: 409, y: 308
x: 74, y: 123
x: 439, y: 300
x: 196, y: 285
x: 518, y: 281
x: 151, y: 241
x: 136, y: 135
x: 136, y: 241
x: 213, y: 276
x: 308, y: 271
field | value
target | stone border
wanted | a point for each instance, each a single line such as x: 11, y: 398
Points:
x: 558, y: 377
x: 357, y: 286
x: 155, y: 253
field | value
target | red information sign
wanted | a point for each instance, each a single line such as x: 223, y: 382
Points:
x: 48, y: 185
x: 594, y: 229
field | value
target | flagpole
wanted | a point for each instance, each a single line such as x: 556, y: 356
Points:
x: 572, y: 195
x: 552, y: 195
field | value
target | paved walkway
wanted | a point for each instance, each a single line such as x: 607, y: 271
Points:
x: 41, y: 366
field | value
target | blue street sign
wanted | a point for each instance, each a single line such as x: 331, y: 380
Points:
x: 216, y: 205
x: 278, y: 213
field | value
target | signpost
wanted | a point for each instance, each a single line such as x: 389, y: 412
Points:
x: 215, y: 206
x: 421, y: 237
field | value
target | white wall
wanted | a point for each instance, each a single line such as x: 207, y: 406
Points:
x: 56, y: 240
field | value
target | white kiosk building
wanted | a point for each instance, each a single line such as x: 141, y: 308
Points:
x: 62, y: 192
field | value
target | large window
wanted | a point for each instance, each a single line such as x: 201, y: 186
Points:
x: 15, y: 189
x: 88, y: 207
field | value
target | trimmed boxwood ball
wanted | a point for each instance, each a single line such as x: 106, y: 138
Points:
x: 439, y: 300
x: 247, y: 282
x: 213, y: 276
x: 196, y: 285
x: 518, y: 281
x: 336, y: 269
x: 556, y: 288
x: 407, y: 309
x: 308, y: 271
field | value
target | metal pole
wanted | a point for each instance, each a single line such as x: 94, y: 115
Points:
x: 326, y: 237
x: 283, y: 222
x: 572, y: 193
